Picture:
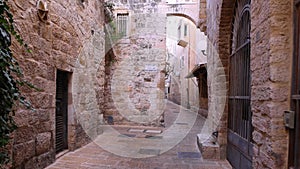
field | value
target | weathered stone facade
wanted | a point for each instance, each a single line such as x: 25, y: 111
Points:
x: 184, y: 60
x: 70, y: 39
x: 271, y: 56
x: 135, y: 82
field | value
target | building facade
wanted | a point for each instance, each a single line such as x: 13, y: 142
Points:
x: 67, y: 64
x: 136, y: 79
x: 186, y: 47
x: 253, y: 70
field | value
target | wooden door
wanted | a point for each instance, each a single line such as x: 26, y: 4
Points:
x: 61, y: 115
x: 239, y: 148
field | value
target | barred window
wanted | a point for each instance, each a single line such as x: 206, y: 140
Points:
x: 185, y: 29
x: 179, y: 32
x: 122, y: 24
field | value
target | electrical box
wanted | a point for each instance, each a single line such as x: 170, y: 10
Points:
x: 289, y: 119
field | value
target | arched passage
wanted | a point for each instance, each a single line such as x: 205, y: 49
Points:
x: 236, y: 128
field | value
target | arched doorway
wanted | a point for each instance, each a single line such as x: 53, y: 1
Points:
x: 239, y: 148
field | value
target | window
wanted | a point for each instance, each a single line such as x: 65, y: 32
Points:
x: 179, y: 32
x: 122, y: 24
x: 185, y: 29
x: 182, y: 62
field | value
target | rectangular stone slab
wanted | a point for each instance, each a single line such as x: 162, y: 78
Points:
x: 126, y: 135
x: 136, y: 130
x: 149, y: 151
x: 154, y: 137
x: 153, y: 131
x: 181, y: 123
x: 189, y: 155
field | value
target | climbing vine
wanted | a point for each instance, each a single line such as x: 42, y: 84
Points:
x: 10, y: 79
x: 108, y: 11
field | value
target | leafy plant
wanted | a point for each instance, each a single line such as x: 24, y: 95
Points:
x: 10, y: 79
x: 108, y: 11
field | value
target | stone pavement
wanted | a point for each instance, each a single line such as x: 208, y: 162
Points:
x: 118, y: 148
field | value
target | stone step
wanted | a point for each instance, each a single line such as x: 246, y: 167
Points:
x: 153, y: 131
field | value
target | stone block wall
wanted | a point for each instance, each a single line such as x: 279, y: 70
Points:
x: 137, y: 78
x: 217, y: 75
x: 202, y: 16
x: 271, y: 60
x: 72, y: 40
x: 271, y: 54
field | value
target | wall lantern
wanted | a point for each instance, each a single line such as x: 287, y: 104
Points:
x: 204, y: 53
x: 182, y: 43
x: 42, y: 10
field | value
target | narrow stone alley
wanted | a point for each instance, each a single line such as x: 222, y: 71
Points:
x: 149, y: 84
x: 184, y: 155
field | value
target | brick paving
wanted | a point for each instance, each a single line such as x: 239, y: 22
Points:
x: 184, y: 155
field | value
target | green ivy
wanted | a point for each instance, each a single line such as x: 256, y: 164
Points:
x: 11, y: 78
x: 108, y: 11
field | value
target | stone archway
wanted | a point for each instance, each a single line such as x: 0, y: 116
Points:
x: 224, y: 43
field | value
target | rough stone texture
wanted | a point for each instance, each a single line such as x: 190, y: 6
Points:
x: 202, y: 17
x: 43, y: 143
x: 271, y: 53
x: 136, y: 80
x: 72, y: 39
x: 217, y: 70
x: 210, y: 151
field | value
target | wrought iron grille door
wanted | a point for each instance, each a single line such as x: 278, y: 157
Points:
x: 239, y: 148
x: 61, y: 114
x: 294, y: 149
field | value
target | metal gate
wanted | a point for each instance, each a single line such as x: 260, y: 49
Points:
x: 294, y: 149
x: 239, y: 148
x: 61, y: 115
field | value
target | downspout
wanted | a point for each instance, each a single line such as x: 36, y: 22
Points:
x: 188, y: 87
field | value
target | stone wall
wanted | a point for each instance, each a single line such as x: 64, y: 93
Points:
x: 217, y: 75
x: 271, y: 56
x: 271, y: 53
x: 71, y: 39
x: 202, y: 16
x: 137, y: 77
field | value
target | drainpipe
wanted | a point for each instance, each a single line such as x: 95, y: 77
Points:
x: 188, y: 87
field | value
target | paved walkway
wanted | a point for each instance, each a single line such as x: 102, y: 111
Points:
x: 119, y: 148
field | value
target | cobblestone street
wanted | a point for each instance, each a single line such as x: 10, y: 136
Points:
x: 185, y: 155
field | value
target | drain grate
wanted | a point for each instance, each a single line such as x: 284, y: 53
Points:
x: 188, y: 155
